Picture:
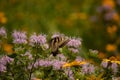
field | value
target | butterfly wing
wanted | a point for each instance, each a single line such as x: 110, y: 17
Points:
x: 63, y: 42
x: 53, y: 45
x: 56, y: 43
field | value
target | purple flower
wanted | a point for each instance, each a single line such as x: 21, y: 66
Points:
x: 88, y: 68
x: 104, y: 64
x: 78, y: 58
x: 114, y: 67
x: 2, y: 67
x: 3, y: 61
x: 37, y: 40
x: 91, y: 69
x: 57, y: 64
x: 42, y: 63
x: 3, y: 32
x: 109, y: 16
x: 74, y: 42
x: 19, y: 37
x: 69, y: 73
x: 73, y: 50
x: 103, y: 8
x: 61, y: 57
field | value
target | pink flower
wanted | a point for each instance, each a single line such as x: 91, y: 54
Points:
x: 19, y: 37
x: 74, y: 43
x: 78, y: 58
x: 42, y: 63
x: 104, y: 64
x: 73, y: 50
x: 57, y: 65
x: 61, y: 57
x: 3, y: 32
x: 114, y: 67
x: 37, y: 40
x: 88, y: 69
x: 109, y: 16
x: 2, y: 67
x: 70, y: 74
x: 3, y: 61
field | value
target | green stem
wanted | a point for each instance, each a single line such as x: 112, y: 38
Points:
x: 31, y: 71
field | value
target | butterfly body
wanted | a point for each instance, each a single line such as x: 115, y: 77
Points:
x: 56, y: 43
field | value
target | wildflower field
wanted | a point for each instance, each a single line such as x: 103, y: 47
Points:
x: 59, y: 40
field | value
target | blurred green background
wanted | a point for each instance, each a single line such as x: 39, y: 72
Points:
x: 95, y: 21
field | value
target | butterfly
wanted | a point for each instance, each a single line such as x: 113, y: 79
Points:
x: 56, y: 43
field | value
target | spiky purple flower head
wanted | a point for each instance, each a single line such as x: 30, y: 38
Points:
x: 37, y: 40
x: 109, y: 15
x: 78, y: 58
x: 42, y: 63
x: 114, y: 67
x: 57, y: 65
x: 104, y: 64
x: 105, y: 8
x: 3, y: 61
x: 3, y: 32
x: 88, y: 68
x: 61, y: 57
x: 19, y: 37
x: 73, y: 50
x: 70, y: 74
x: 74, y: 42
x: 2, y: 67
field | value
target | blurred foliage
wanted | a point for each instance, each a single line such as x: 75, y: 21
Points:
x: 97, y: 22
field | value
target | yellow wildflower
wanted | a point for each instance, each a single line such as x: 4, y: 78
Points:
x: 3, y: 19
x: 112, y: 60
x: 116, y: 17
x: 102, y: 55
x: 66, y: 65
x: 93, y: 77
x: 106, y: 60
x: 112, y: 29
x: 77, y: 63
x: 8, y: 48
x: 109, y: 3
x: 118, y: 62
x: 74, y: 63
x: 111, y: 47
x: 1, y: 14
